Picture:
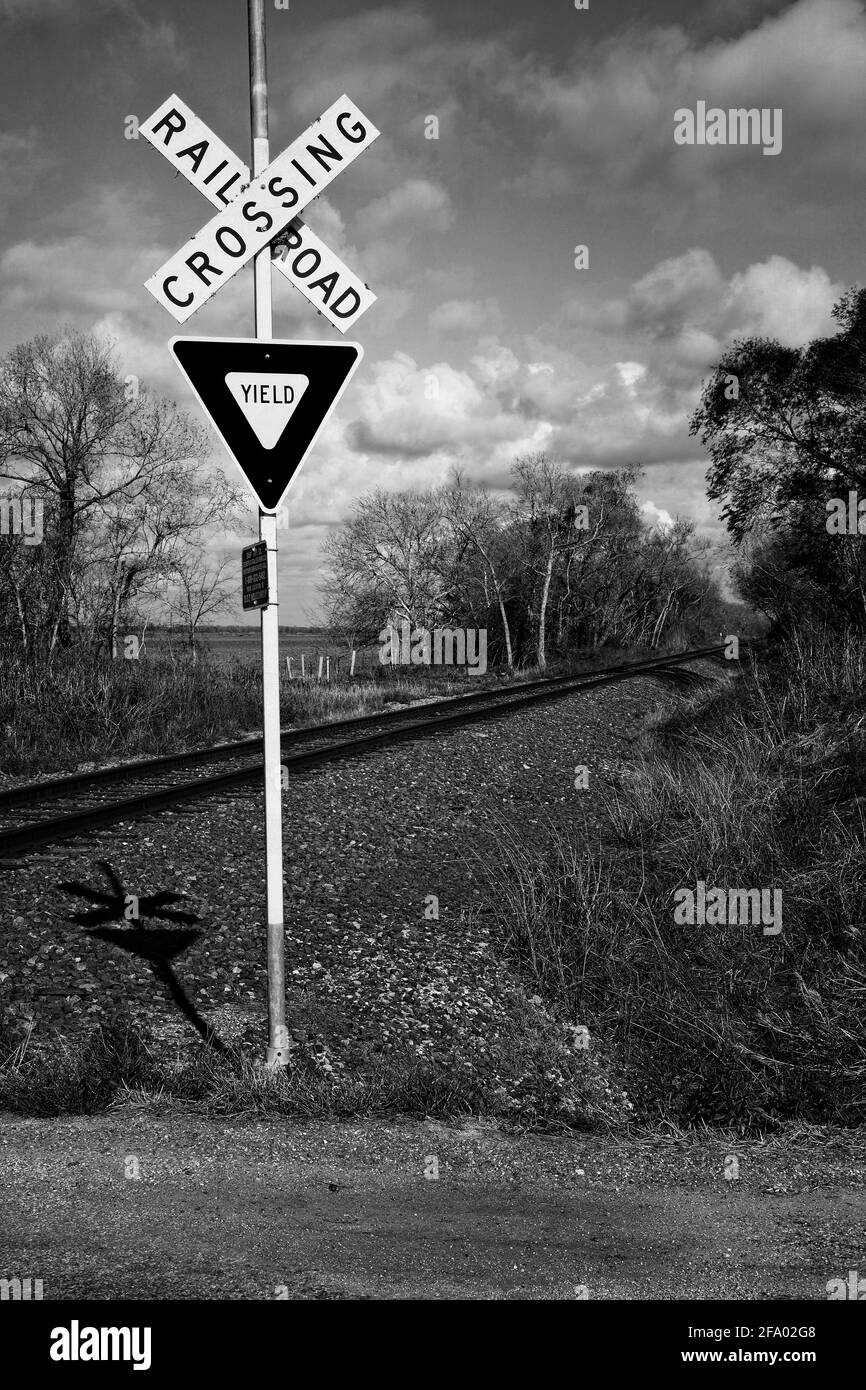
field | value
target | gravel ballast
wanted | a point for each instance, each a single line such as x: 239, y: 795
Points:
x: 374, y: 848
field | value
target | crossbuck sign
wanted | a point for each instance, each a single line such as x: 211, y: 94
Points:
x: 252, y: 215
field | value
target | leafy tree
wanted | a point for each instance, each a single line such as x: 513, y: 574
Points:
x: 786, y: 426
x: 786, y: 432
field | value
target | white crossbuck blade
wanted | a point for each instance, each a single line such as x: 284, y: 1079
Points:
x: 246, y: 224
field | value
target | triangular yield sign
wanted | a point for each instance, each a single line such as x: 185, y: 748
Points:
x: 267, y: 400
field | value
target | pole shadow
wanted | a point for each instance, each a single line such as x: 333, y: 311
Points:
x: 159, y: 946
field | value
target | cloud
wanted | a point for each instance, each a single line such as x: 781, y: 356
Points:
x: 71, y: 11
x: 63, y: 273
x: 675, y: 322
x: 657, y: 516
x: 397, y: 433
x: 416, y: 412
x: 140, y: 354
x: 157, y: 40
x: 71, y: 273
x: 678, y: 290
x: 404, y: 63
x: 24, y: 157
x: 328, y: 223
x: 625, y: 398
x: 410, y: 69
x: 66, y: 275
x: 687, y: 308
x: 614, y: 105
x: 778, y: 299
x: 611, y: 409
x: 504, y: 403
x: 418, y: 203
x: 153, y: 39
x: 456, y: 318
x: 630, y: 373
x: 720, y: 17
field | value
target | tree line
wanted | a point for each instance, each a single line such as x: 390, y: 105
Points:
x: 563, y: 561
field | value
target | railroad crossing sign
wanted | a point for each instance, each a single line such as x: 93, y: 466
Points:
x: 252, y: 388
x: 266, y: 399
x: 267, y: 210
x: 254, y: 575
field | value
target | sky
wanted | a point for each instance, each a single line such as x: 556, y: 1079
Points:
x: 555, y: 130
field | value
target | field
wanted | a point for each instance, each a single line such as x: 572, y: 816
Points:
x: 225, y: 645
x: 86, y: 708
x: 236, y: 643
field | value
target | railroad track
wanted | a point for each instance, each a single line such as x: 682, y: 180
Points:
x: 42, y: 813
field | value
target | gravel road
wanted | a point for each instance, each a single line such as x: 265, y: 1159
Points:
x: 274, y: 1209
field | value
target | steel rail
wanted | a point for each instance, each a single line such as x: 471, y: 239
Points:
x: 483, y: 705
x: 34, y: 791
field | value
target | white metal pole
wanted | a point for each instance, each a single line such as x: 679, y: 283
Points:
x: 278, y: 1037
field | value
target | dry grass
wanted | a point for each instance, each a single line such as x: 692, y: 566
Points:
x: 550, y: 1087
x: 764, y: 786
x: 87, y: 709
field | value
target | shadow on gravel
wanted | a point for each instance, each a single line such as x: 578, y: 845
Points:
x: 159, y: 946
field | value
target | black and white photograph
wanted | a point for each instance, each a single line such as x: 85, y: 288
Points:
x: 432, y: 675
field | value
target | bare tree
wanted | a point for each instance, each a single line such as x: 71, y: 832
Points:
x: 392, y: 559
x: 149, y: 534
x: 73, y: 427
x: 569, y: 548
x: 199, y: 587
x: 478, y: 521
x: 546, y: 512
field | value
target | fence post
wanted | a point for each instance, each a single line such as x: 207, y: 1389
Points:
x: 303, y: 669
x: 352, y: 667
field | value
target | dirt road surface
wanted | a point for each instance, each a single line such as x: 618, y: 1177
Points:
x: 177, y: 1206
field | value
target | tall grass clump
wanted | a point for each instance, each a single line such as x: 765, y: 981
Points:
x: 763, y: 785
x: 84, y: 707
x: 73, y: 1077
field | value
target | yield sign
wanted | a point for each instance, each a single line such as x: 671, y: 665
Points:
x: 267, y: 400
